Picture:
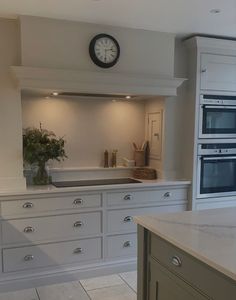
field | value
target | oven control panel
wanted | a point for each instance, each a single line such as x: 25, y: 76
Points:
x: 220, y: 149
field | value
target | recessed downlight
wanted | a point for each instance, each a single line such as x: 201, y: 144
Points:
x: 128, y: 97
x: 55, y: 93
x: 215, y: 11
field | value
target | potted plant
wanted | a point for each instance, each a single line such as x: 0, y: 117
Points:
x: 39, y: 146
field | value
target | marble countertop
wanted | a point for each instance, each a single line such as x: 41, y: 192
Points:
x: 33, y: 190
x: 208, y: 235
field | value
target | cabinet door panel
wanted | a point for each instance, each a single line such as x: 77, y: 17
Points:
x: 121, y: 220
x: 218, y: 72
x: 49, y: 204
x: 166, y: 286
x: 55, y: 227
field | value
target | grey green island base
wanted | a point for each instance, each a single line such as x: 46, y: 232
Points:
x: 178, y: 256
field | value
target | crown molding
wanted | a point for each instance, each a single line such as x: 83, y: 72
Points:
x: 82, y: 81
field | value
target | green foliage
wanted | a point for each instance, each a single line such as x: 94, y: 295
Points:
x: 40, y: 145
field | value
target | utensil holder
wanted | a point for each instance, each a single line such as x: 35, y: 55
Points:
x: 139, y: 157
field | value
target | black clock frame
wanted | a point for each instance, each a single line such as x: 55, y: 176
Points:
x: 93, y: 55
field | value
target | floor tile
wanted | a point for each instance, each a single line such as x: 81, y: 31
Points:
x: 64, y: 291
x: 119, y: 292
x: 20, y: 295
x: 101, y: 282
x: 130, y: 278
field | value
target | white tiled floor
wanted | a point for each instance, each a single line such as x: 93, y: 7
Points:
x: 114, y: 287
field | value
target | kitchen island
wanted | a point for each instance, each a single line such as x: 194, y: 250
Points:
x: 188, y: 255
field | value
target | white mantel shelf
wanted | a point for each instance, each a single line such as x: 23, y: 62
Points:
x: 95, y: 82
x: 208, y: 235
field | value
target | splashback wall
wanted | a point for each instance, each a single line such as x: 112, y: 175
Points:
x: 89, y: 126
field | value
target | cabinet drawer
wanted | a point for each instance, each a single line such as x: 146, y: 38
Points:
x: 122, y: 245
x: 32, y: 206
x: 190, y: 269
x: 56, y: 254
x: 119, y: 221
x: 47, y: 228
x: 165, y: 285
x: 138, y: 197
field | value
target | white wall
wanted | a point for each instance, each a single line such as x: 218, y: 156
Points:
x: 176, y: 111
x: 62, y: 44
x: 11, y: 166
x: 89, y: 126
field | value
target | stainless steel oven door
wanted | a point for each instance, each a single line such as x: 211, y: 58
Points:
x: 217, y: 121
x: 216, y: 176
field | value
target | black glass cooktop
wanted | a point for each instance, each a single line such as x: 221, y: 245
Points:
x: 62, y: 184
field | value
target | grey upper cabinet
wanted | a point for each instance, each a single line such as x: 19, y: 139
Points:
x: 218, y: 72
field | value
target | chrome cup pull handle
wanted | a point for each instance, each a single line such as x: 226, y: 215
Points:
x: 128, y: 197
x: 28, y: 257
x: 176, y: 261
x: 78, y: 251
x: 78, y: 201
x: 78, y: 224
x: 128, y: 219
x: 167, y: 194
x: 28, y: 205
x: 29, y: 229
x: 127, y: 244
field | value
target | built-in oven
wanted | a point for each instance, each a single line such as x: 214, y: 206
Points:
x: 217, y: 116
x: 216, y: 170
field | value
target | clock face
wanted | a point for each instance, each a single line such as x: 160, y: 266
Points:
x: 104, y: 50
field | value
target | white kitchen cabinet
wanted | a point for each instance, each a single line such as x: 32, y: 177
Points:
x: 218, y: 72
x: 46, y: 236
x: 122, y: 220
x: 50, y: 228
x: 211, y: 72
x: 134, y: 197
x: 53, y: 254
x: 37, y: 205
x: 122, y: 245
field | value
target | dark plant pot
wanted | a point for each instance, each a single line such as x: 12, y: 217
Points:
x: 41, y: 175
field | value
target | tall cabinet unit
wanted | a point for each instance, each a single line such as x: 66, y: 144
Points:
x: 210, y: 150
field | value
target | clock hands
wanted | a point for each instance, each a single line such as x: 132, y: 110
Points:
x: 112, y: 50
x: 106, y: 56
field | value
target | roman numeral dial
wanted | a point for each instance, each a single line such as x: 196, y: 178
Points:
x: 104, y: 50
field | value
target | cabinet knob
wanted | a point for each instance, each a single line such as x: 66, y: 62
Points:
x: 167, y: 194
x: 78, y: 201
x: 128, y: 219
x: 28, y: 205
x: 78, y: 251
x: 28, y: 257
x: 127, y: 244
x: 128, y: 197
x: 29, y: 229
x: 78, y: 224
x: 176, y: 261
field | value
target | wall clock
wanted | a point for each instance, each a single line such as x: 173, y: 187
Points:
x: 104, y: 50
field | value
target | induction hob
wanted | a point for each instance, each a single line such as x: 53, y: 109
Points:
x: 79, y: 183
